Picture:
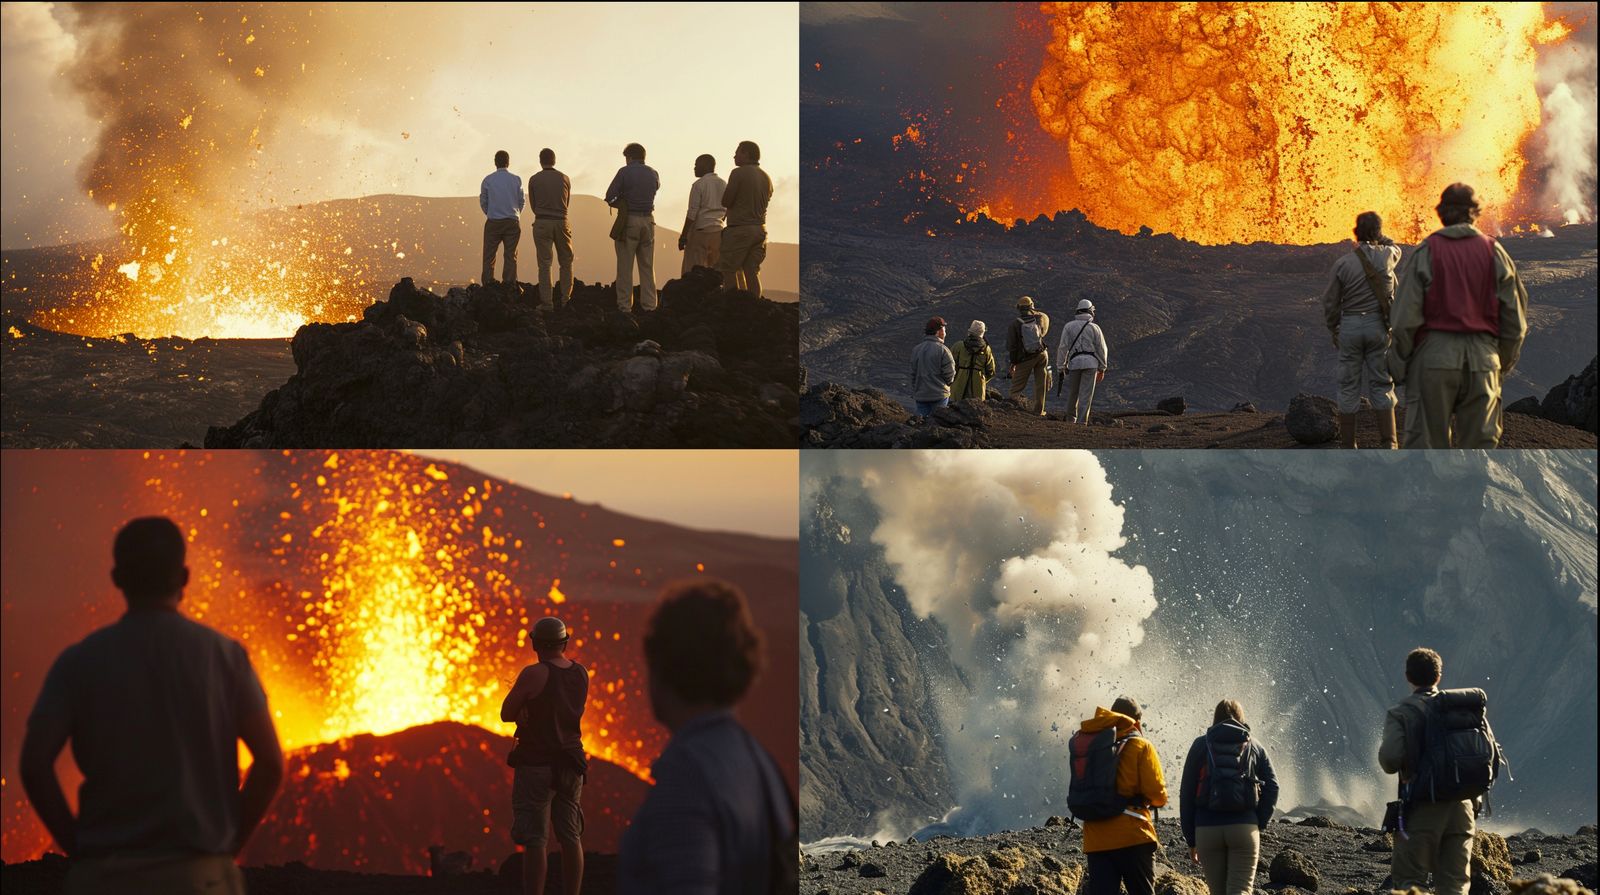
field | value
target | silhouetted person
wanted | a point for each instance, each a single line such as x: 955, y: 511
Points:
x: 547, y: 704
x: 744, y: 242
x: 720, y: 815
x: 1460, y: 315
x: 1356, y: 307
x: 1226, y: 800
x: 633, y: 192
x: 701, y: 240
x: 155, y: 706
x: 549, y: 194
x: 500, y: 197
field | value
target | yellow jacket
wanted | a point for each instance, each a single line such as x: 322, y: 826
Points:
x: 1138, y: 777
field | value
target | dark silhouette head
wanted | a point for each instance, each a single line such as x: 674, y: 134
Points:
x: 148, y: 561
x: 550, y: 635
x: 748, y: 151
x: 701, y: 645
x: 633, y: 152
x: 1228, y: 710
x: 704, y: 165
x: 1424, y: 667
x: 1457, y: 205
x: 933, y: 327
x: 547, y: 158
x: 1369, y: 227
x: 502, y: 159
x: 1126, y: 706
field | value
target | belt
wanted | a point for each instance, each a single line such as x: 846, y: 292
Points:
x: 549, y: 217
x: 1357, y: 313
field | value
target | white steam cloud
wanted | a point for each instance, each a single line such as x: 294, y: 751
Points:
x: 1567, y: 137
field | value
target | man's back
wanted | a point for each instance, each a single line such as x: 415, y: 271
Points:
x: 550, y: 193
x: 500, y: 196
x: 154, y: 704
x: 748, y: 194
x: 636, y: 183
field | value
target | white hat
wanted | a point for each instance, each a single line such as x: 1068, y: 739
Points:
x: 978, y: 328
x: 1085, y: 305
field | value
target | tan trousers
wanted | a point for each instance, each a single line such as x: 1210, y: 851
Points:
x: 1036, y: 368
x: 744, y: 248
x: 120, y: 875
x: 1228, y: 854
x: 495, y: 232
x: 553, y: 237
x: 1454, y: 403
x: 702, y: 249
x: 1080, y: 388
x: 637, y: 245
x: 1438, y: 840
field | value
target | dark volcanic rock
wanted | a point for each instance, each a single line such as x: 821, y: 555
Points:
x: 1174, y: 405
x: 1312, y: 419
x: 1245, y: 407
x: 1291, y: 868
x: 1572, y: 403
x: 479, y: 367
x: 836, y: 416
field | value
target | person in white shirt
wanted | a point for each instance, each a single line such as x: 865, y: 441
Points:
x: 500, y: 197
x: 1082, y: 359
x: 701, y: 241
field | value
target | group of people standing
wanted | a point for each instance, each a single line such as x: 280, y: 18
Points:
x: 1229, y: 790
x: 938, y: 376
x: 725, y: 228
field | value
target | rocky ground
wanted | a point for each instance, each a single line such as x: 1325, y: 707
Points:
x: 47, y: 876
x: 481, y: 368
x: 835, y: 416
x: 1297, y: 857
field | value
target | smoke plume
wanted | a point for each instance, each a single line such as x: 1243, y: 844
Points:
x: 1566, y: 141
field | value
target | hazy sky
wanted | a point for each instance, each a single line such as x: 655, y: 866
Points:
x: 754, y: 492
x: 416, y: 98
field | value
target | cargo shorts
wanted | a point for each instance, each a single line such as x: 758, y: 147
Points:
x: 545, y: 798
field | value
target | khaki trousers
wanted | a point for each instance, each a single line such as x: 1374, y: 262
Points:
x: 1438, y: 840
x: 1228, y: 854
x: 744, y: 248
x: 124, y: 875
x: 1036, y: 368
x: 1080, y: 387
x: 495, y: 232
x: 637, y: 245
x: 702, y: 249
x: 1364, y: 358
x: 1458, y: 402
x: 553, y: 236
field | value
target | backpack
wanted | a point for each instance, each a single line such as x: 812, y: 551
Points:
x: 1032, y: 335
x: 1458, y: 758
x: 1228, y: 779
x: 1092, y: 793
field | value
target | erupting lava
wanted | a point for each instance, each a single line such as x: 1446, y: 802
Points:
x: 1238, y: 122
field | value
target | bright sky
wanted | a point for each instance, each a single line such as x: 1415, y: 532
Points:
x: 753, y: 492
x: 425, y: 94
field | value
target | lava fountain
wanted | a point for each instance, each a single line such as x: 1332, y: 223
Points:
x: 1239, y: 122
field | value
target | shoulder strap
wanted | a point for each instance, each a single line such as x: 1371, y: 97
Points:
x: 1384, y: 296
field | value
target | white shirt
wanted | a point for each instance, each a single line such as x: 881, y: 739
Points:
x: 1074, y: 341
x: 500, y: 197
x: 705, y: 203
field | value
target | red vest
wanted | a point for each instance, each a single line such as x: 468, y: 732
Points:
x: 1462, y: 296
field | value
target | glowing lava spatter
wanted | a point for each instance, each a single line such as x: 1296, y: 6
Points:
x: 1238, y: 122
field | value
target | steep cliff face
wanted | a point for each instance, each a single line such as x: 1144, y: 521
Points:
x: 1295, y: 586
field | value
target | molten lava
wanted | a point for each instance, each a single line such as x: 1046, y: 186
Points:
x: 1238, y: 122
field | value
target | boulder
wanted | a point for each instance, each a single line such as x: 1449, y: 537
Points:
x: 1174, y: 405
x: 1312, y: 419
x: 1292, y: 868
x: 1179, y: 884
x: 1491, y: 857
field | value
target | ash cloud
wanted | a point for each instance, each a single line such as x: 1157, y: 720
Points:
x: 1565, y: 142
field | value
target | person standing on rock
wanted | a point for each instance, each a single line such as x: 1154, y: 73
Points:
x: 633, y: 193
x: 974, y: 365
x: 1083, y: 358
x: 1226, y: 800
x: 1356, y: 306
x: 1460, y: 316
x: 744, y: 242
x: 721, y: 817
x: 933, y: 369
x: 550, y: 194
x: 701, y: 240
x: 1440, y: 745
x: 549, y: 763
x: 500, y: 197
x: 155, y: 706
x: 1030, y: 360
x: 1113, y: 793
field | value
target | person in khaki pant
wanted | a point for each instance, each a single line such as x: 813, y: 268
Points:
x: 1026, y: 365
x: 1460, y: 316
x: 500, y: 197
x: 549, y: 194
x: 1437, y: 835
x: 1222, y: 829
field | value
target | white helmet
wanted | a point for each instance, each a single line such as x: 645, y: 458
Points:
x: 1085, y: 305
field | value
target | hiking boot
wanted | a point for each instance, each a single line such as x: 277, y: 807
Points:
x: 1347, y: 430
x: 1386, y: 430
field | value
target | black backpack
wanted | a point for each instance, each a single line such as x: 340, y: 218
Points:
x: 1458, y: 758
x: 1092, y: 793
x: 1228, y: 780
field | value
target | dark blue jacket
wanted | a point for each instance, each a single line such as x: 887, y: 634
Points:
x: 1191, y: 805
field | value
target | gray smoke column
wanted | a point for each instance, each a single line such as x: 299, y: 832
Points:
x: 1566, y: 144
x: 1013, y: 552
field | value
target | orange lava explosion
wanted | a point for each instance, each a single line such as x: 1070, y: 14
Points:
x: 1238, y: 122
